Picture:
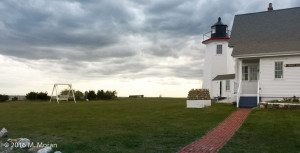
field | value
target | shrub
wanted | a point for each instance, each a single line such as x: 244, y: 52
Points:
x: 37, y: 96
x: 43, y: 96
x: 287, y: 99
x: 295, y: 99
x: 273, y: 101
x: 14, y: 99
x: 3, y: 98
x: 106, y: 95
x: 91, y: 95
x: 100, y: 94
x: 110, y: 94
x: 198, y: 94
x: 64, y: 92
x: 31, y: 96
x: 291, y: 99
x: 78, y: 94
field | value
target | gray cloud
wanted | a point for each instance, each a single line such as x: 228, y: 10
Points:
x: 105, y: 38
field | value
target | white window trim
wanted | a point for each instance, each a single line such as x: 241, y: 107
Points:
x: 227, y: 81
x: 248, y: 79
x: 222, y: 50
x: 258, y: 73
x: 282, y: 70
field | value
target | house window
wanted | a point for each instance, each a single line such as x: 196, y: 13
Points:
x: 278, y: 70
x: 219, y: 49
x: 227, y: 84
x: 245, y: 72
x: 253, y: 72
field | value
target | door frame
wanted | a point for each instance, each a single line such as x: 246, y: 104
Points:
x: 220, y: 88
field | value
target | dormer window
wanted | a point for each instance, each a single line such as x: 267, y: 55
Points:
x: 219, y: 49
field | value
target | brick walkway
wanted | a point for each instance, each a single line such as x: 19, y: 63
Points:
x: 217, y: 137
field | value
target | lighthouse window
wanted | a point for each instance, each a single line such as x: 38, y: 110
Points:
x: 213, y: 30
x: 219, y: 49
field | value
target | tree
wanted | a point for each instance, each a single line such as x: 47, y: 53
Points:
x: 65, y: 92
x: 31, y: 95
x: 91, y: 95
x: 14, y: 99
x: 110, y: 94
x: 100, y: 94
x: 79, y: 95
x: 3, y: 98
x: 37, y: 96
x: 43, y: 96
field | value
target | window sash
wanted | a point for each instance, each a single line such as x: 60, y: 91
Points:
x: 245, y: 73
x: 219, y: 49
x: 213, y: 30
x: 253, y: 72
x: 227, y: 84
x: 278, y: 70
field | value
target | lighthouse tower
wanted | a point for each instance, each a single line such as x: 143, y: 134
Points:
x: 219, y: 64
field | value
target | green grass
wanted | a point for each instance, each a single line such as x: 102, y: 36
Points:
x: 122, y: 125
x: 267, y: 131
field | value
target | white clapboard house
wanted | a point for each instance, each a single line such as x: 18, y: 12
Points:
x: 259, y: 62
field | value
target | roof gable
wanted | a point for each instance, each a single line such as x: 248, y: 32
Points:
x: 266, y: 32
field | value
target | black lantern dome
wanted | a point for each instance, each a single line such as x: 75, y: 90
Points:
x: 219, y: 30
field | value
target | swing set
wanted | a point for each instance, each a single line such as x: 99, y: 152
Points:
x: 60, y: 96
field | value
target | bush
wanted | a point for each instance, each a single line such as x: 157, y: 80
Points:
x: 291, y: 99
x: 110, y: 94
x: 273, y: 101
x: 78, y: 94
x: 100, y: 94
x: 198, y: 94
x: 14, y: 99
x: 3, y: 98
x: 91, y: 95
x: 287, y: 99
x: 43, y: 96
x: 106, y: 95
x: 295, y: 99
x: 37, y: 96
x: 31, y: 96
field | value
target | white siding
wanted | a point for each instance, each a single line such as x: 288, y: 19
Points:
x: 288, y: 86
x: 249, y: 87
x: 215, y: 88
x: 225, y: 93
x: 216, y: 64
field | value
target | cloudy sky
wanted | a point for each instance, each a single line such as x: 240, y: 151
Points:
x: 148, y: 47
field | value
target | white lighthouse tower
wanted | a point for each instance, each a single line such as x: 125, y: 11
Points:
x: 218, y: 68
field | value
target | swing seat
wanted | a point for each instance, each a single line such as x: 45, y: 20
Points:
x: 63, y: 97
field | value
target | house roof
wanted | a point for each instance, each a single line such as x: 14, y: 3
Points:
x: 224, y: 77
x: 270, y: 32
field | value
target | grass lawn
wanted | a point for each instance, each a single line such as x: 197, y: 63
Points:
x: 267, y: 131
x: 121, y: 125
